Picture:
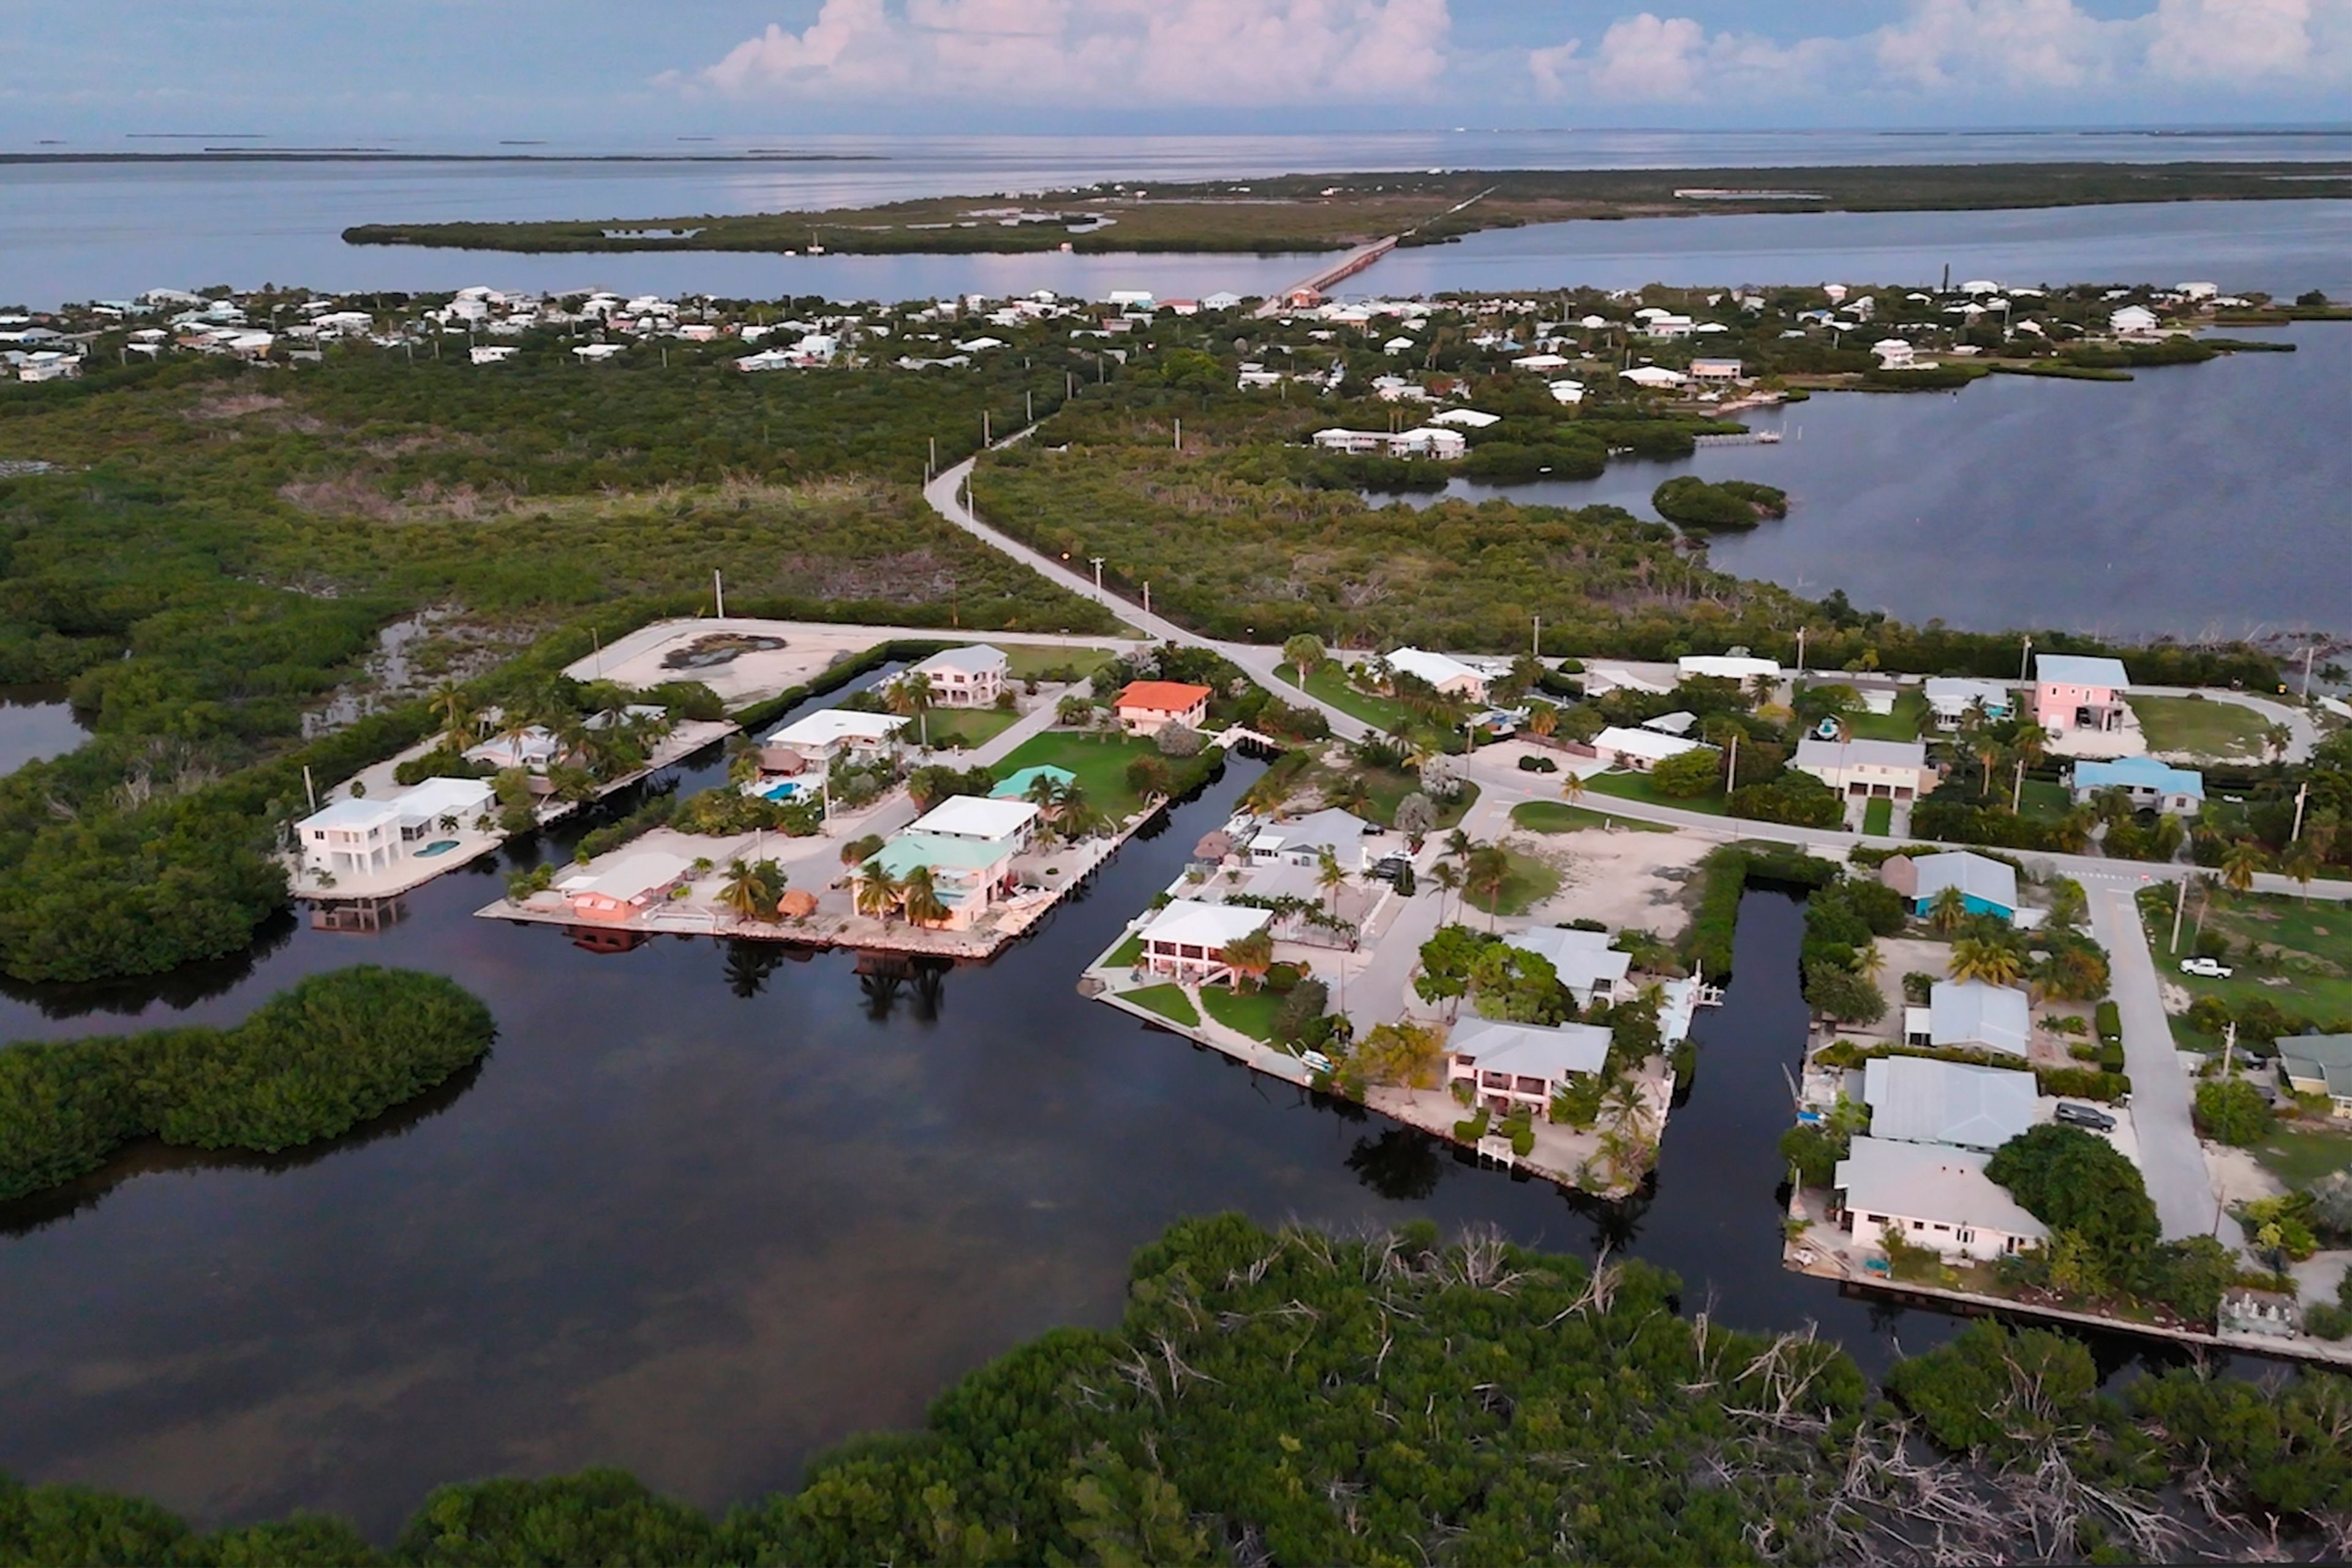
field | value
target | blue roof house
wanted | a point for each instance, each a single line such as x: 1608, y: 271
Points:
x: 2151, y: 785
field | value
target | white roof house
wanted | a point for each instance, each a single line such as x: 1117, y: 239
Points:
x: 434, y: 799
x: 1568, y: 392
x: 822, y: 733
x: 1933, y: 1195
x: 1949, y: 696
x: 1728, y: 665
x: 1583, y: 959
x: 1918, y: 1099
x: 353, y: 816
x: 1512, y: 1065
x: 1981, y: 880
x: 1654, y: 375
x: 1973, y: 1015
x: 1303, y: 841
x: 1209, y: 925
x: 2132, y: 321
x: 1641, y: 749
x: 1444, y: 671
x: 979, y: 817
x: 975, y: 659
x: 1467, y: 418
x: 2080, y: 669
x: 1897, y: 769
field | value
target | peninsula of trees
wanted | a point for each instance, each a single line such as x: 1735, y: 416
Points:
x: 1327, y: 212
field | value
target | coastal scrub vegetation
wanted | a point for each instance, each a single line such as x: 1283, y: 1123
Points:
x: 1289, y: 1397
x: 223, y: 545
x: 312, y: 1062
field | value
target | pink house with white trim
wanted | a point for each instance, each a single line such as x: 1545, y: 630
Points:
x: 2073, y: 692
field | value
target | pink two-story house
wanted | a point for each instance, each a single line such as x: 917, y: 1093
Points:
x: 2074, y: 692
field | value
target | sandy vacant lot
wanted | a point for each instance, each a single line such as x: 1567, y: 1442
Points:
x: 810, y: 648
x: 1622, y: 879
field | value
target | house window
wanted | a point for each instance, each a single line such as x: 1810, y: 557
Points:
x: 1918, y: 1225
x: 1967, y: 1238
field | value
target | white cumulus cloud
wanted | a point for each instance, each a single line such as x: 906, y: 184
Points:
x: 1263, y: 53
x: 1975, y: 47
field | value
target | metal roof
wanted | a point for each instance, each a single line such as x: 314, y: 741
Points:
x: 1917, y: 1100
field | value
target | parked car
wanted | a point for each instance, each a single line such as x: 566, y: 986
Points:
x: 2074, y: 1115
x: 2206, y: 968
x: 1391, y: 869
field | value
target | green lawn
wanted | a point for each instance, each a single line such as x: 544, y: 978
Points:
x: 1168, y: 1000
x: 968, y: 727
x: 1127, y: 954
x: 1629, y: 785
x: 1331, y: 683
x: 2045, y: 799
x: 2299, y: 1158
x: 2310, y: 947
x: 1531, y: 881
x: 1025, y: 661
x: 1386, y: 786
x: 1878, y: 816
x: 2200, y: 726
x: 1559, y: 817
x: 1903, y: 724
x: 1099, y: 763
x: 1251, y: 1015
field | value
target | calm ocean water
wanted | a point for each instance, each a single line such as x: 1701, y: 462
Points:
x: 80, y: 230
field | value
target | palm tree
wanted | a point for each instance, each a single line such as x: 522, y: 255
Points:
x: 1542, y: 721
x: 456, y: 710
x: 1446, y: 878
x: 1946, y: 910
x: 911, y: 698
x: 1762, y: 688
x: 1993, y: 963
x: 919, y: 897
x: 1871, y: 962
x: 743, y: 761
x: 1458, y: 844
x: 1075, y: 816
x: 1304, y: 653
x: 1251, y: 956
x: 876, y: 893
x: 1571, y: 788
x: 1485, y: 872
x: 1330, y: 876
x: 741, y: 894
x: 2303, y: 866
x: 2276, y: 738
x: 2239, y: 864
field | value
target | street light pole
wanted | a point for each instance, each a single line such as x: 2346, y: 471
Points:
x: 1098, y: 562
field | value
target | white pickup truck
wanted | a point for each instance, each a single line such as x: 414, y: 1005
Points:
x: 2206, y: 968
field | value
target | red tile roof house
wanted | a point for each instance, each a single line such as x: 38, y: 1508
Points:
x: 1148, y: 707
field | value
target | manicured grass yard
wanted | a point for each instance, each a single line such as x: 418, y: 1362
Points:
x: 1878, y: 816
x: 2045, y: 799
x: 1331, y: 683
x: 1127, y: 954
x: 1903, y: 724
x: 1629, y: 785
x: 2299, y: 1158
x: 1559, y: 817
x: 1251, y: 1015
x: 1024, y: 660
x: 2200, y: 726
x: 1099, y: 763
x: 1531, y: 881
x: 1167, y: 1000
x: 968, y: 726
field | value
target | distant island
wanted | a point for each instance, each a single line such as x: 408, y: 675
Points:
x: 1328, y: 212
x: 380, y: 155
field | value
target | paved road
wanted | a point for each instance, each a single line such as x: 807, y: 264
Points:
x: 2169, y: 1156
x: 947, y: 497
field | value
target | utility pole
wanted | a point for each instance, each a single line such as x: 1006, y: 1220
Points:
x: 1731, y: 772
x: 597, y: 643
x: 309, y: 789
x: 2229, y: 1050
x: 1028, y: 408
x: 2017, y: 794
x: 2180, y: 902
x: 2301, y: 796
x: 1801, y: 650
x: 2025, y: 661
x: 1179, y: 435
x: 932, y: 466
x: 1097, y: 563
x: 719, y: 594
x: 1536, y: 647
x: 985, y: 437
x: 1147, y: 607
x: 2308, y: 649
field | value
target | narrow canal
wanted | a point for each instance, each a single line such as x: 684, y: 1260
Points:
x: 708, y: 1209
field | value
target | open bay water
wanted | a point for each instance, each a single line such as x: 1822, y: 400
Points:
x: 81, y: 230
x: 2200, y: 501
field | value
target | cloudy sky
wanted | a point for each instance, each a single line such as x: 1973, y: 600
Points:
x: 459, y: 68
